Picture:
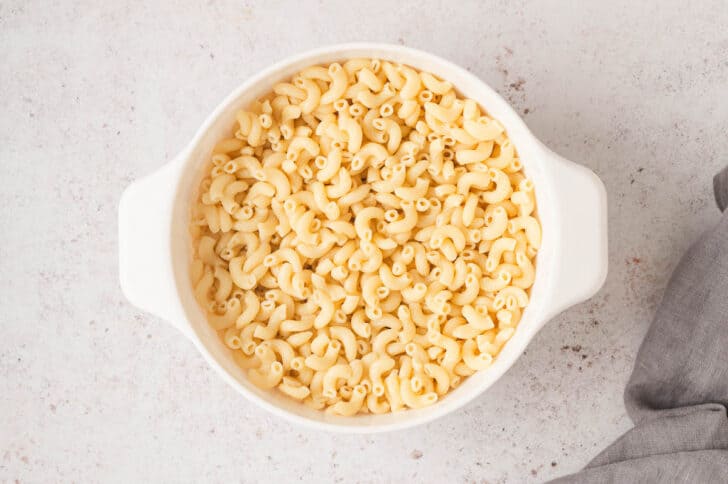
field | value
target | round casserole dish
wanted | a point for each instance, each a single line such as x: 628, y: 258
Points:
x: 155, y: 246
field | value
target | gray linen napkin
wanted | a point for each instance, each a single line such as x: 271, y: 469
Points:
x: 677, y: 395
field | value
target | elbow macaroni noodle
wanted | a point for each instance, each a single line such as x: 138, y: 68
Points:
x: 365, y: 240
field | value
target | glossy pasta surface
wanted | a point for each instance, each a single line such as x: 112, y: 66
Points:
x: 365, y: 239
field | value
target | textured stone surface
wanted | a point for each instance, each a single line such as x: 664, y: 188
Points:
x: 96, y: 94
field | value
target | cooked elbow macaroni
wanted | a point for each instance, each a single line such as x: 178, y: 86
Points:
x: 365, y: 240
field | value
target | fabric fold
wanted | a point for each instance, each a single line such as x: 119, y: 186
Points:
x: 720, y: 186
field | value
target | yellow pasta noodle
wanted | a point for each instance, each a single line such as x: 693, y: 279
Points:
x: 364, y: 239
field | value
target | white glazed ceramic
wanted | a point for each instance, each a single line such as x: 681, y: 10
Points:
x: 155, y: 248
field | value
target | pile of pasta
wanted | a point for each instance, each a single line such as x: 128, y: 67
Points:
x: 366, y: 238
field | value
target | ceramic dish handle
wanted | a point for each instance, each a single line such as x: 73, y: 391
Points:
x: 581, y: 244
x: 145, y: 260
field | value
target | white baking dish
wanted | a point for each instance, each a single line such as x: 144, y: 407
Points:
x: 155, y: 248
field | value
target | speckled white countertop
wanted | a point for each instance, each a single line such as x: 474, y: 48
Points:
x: 96, y: 94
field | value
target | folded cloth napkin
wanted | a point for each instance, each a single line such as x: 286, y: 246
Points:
x: 677, y: 395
